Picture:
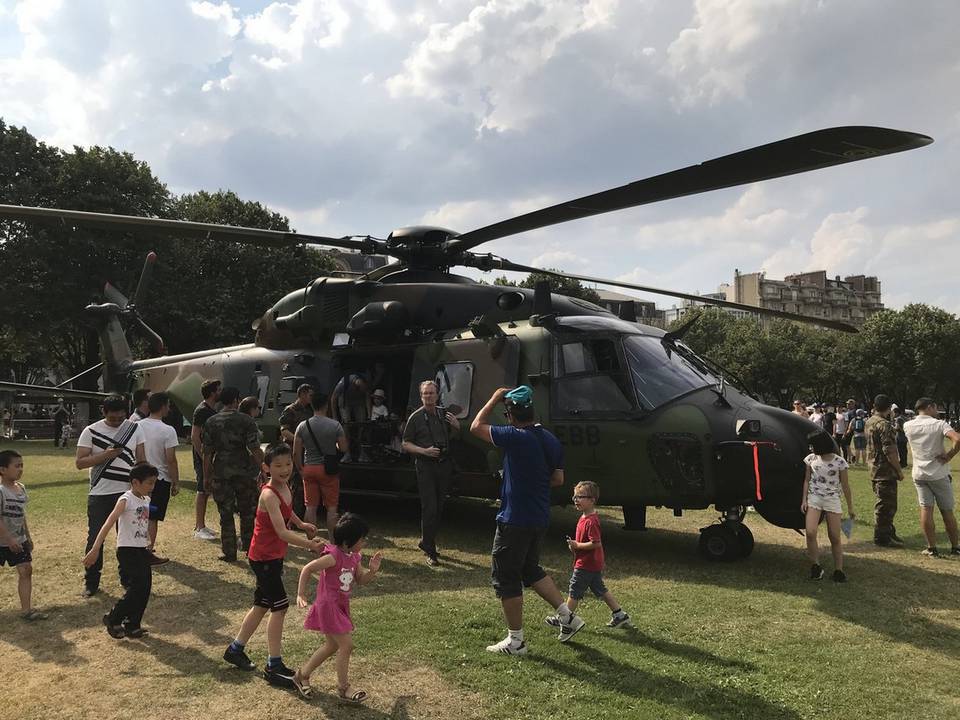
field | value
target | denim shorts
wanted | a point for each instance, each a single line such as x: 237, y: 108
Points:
x: 582, y: 579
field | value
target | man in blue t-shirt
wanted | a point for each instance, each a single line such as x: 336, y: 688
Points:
x: 532, y: 464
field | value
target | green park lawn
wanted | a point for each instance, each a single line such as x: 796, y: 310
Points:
x: 751, y: 639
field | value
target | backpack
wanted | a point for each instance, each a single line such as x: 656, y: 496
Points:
x: 859, y: 425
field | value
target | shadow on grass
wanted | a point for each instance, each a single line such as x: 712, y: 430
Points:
x: 42, y: 639
x: 188, y: 661
x: 206, y: 619
x: 332, y: 707
x: 637, y: 637
x: 694, y: 697
x: 882, y: 594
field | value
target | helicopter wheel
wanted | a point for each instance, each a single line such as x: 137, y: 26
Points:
x: 745, y: 541
x: 720, y: 542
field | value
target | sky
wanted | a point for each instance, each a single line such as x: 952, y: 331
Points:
x: 355, y: 117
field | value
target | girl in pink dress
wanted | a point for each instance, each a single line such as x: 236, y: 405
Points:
x: 338, y: 569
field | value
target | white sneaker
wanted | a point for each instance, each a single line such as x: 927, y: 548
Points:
x: 570, y: 629
x: 508, y: 647
x: 204, y: 533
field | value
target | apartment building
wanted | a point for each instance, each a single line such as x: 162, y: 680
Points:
x: 852, y: 300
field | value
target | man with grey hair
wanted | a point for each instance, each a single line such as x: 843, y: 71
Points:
x: 426, y: 436
x: 931, y: 472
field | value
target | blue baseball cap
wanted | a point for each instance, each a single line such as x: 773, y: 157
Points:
x: 521, y: 396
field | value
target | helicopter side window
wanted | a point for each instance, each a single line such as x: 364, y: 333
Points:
x: 455, y: 381
x: 659, y: 374
x: 591, y: 381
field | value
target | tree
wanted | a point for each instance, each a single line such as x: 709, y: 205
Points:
x: 562, y: 286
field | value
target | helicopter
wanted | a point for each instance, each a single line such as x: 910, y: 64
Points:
x: 655, y: 424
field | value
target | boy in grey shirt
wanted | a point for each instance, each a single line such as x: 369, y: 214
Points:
x: 15, y: 543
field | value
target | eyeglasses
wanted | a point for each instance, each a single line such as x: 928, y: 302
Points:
x: 583, y: 497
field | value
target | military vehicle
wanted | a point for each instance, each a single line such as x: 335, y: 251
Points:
x: 637, y: 411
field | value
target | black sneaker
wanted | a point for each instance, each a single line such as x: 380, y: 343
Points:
x: 896, y: 540
x: 115, y: 631
x: 88, y: 593
x: 238, y: 658
x: 955, y: 551
x: 227, y: 558
x: 839, y: 576
x: 816, y: 572
x: 135, y: 633
x: 279, y: 675
x: 931, y: 552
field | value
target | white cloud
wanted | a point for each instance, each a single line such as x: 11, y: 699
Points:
x: 356, y: 116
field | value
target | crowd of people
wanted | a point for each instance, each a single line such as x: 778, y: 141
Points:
x: 133, y: 473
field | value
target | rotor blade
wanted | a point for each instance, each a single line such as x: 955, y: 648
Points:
x: 52, y: 391
x: 159, y: 346
x: 115, y: 296
x: 145, y: 275
x: 177, y: 228
x: 825, y: 322
x: 384, y: 270
x: 812, y: 151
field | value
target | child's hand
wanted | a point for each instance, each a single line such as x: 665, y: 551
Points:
x: 310, y: 530
x: 15, y: 547
x: 301, y: 601
x: 90, y: 559
x: 571, y: 544
x: 803, y: 507
x: 317, y: 546
x: 375, y: 561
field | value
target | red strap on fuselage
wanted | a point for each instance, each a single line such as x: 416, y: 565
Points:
x: 756, y: 461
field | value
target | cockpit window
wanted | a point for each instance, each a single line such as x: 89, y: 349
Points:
x: 659, y: 373
x: 591, y: 380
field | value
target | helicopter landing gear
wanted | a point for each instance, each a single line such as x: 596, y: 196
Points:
x: 635, y: 517
x: 728, y: 539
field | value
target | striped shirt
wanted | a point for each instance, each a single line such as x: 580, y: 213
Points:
x: 13, y: 505
x: 113, y: 476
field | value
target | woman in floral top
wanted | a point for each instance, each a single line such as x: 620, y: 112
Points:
x: 825, y: 477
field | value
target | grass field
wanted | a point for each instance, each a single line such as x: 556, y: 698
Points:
x: 752, y: 639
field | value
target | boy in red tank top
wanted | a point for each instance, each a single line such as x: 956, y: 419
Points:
x: 268, y: 548
x: 588, y: 562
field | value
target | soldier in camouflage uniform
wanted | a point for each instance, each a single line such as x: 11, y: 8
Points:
x: 231, y: 462
x: 290, y: 419
x: 884, y: 463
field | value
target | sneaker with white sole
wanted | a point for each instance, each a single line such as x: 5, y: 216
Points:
x: 569, y: 629
x: 204, y: 533
x: 507, y: 646
x: 621, y: 620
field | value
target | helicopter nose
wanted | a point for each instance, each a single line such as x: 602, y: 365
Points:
x: 776, y: 444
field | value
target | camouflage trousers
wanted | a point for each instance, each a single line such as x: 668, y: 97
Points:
x: 237, y: 494
x: 885, y: 508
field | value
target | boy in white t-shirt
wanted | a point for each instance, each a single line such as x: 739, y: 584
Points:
x: 160, y: 443
x: 15, y: 541
x: 131, y: 517
x: 825, y: 477
x: 931, y: 472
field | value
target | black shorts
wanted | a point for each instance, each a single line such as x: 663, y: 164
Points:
x: 198, y: 473
x: 270, y: 593
x: 159, y: 499
x: 516, y: 559
x: 9, y: 557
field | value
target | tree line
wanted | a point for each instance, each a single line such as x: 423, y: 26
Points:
x: 905, y: 354
x: 204, y: 293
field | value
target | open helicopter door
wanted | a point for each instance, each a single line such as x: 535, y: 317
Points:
x: 467, y: 372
